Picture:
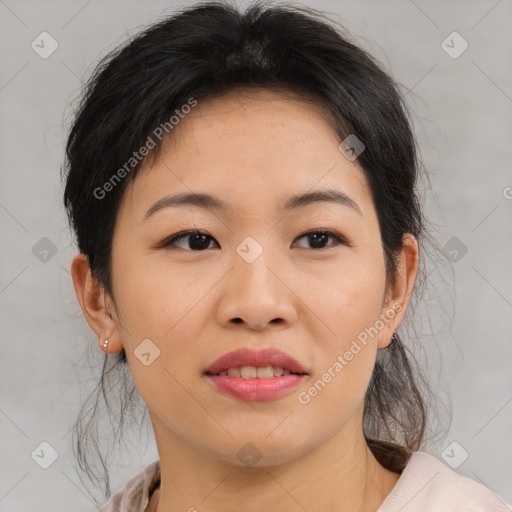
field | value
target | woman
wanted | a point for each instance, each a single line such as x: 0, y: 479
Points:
x: 242, y: 189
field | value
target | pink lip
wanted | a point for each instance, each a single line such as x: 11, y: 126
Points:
x: 256, y: 390
x: 257, y: 358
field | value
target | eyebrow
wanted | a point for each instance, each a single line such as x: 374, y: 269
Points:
x: 208, y: 202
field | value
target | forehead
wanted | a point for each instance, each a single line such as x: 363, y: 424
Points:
x: 248, y: 145
x: 253, y: 120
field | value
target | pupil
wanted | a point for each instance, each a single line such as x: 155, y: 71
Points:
x: 200, y: 239
x: 316, y: 237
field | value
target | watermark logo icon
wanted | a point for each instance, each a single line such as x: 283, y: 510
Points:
x: 44, y: 45
x: 147, y: 352
x: 454, y: 45
x: 44, y: 250
x: 352, y: 147
x: 249, y: 455
x: 249, y: 249
x: 454, y: 249
x: 44, y: 455
x: 454, y: 455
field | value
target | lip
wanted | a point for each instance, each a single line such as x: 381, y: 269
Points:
x: 256, y: 390
x: 257, y: 358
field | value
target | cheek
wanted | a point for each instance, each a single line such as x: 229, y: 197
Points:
x: 168, y: 384
x: 346, y: 354
x: 346, y: 295
x: 348, y: 301
x: 335, y: 398
x: 168, y: 308
x: 154, y: 298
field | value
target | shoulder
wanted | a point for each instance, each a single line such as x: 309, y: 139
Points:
x: 428, y: 485
x: 135, y: 495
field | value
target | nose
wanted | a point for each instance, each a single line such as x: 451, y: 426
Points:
x: 257, y: 295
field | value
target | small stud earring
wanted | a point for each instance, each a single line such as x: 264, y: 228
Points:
x: 394, y: 337
x: 105, y: 345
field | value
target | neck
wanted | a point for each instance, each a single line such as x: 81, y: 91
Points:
x: 341, y: 474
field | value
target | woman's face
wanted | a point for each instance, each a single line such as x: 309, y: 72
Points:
x: 255, y: 281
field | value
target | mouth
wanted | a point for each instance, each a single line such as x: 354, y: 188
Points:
x: 250, y: 364
x: 255, y: 372
x: 255, y: 375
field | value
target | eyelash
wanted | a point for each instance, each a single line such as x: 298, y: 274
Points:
x: 338, y: 238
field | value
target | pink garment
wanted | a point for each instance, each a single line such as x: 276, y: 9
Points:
x: 425, y: 485
x: 428, y: 485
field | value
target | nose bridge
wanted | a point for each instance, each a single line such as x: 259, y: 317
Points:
x: 252, y: 261
x: 254, y: 292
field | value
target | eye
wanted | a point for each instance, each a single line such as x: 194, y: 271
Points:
x: 199, y: 241
x: 319, y: 237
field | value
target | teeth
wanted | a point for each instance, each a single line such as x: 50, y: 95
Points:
x: 251, y: 372
x: 264, y: 372
x: 234, y: 372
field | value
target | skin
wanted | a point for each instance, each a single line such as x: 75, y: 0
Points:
x: 252, y: 150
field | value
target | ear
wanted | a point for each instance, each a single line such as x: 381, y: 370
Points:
x: 92, y: 298
x: 399, y: 293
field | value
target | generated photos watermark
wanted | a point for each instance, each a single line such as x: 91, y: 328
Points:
x: 137, y: 156
x: 342, y: 360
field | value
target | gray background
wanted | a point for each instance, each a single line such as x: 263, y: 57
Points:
x: 462, y: 114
